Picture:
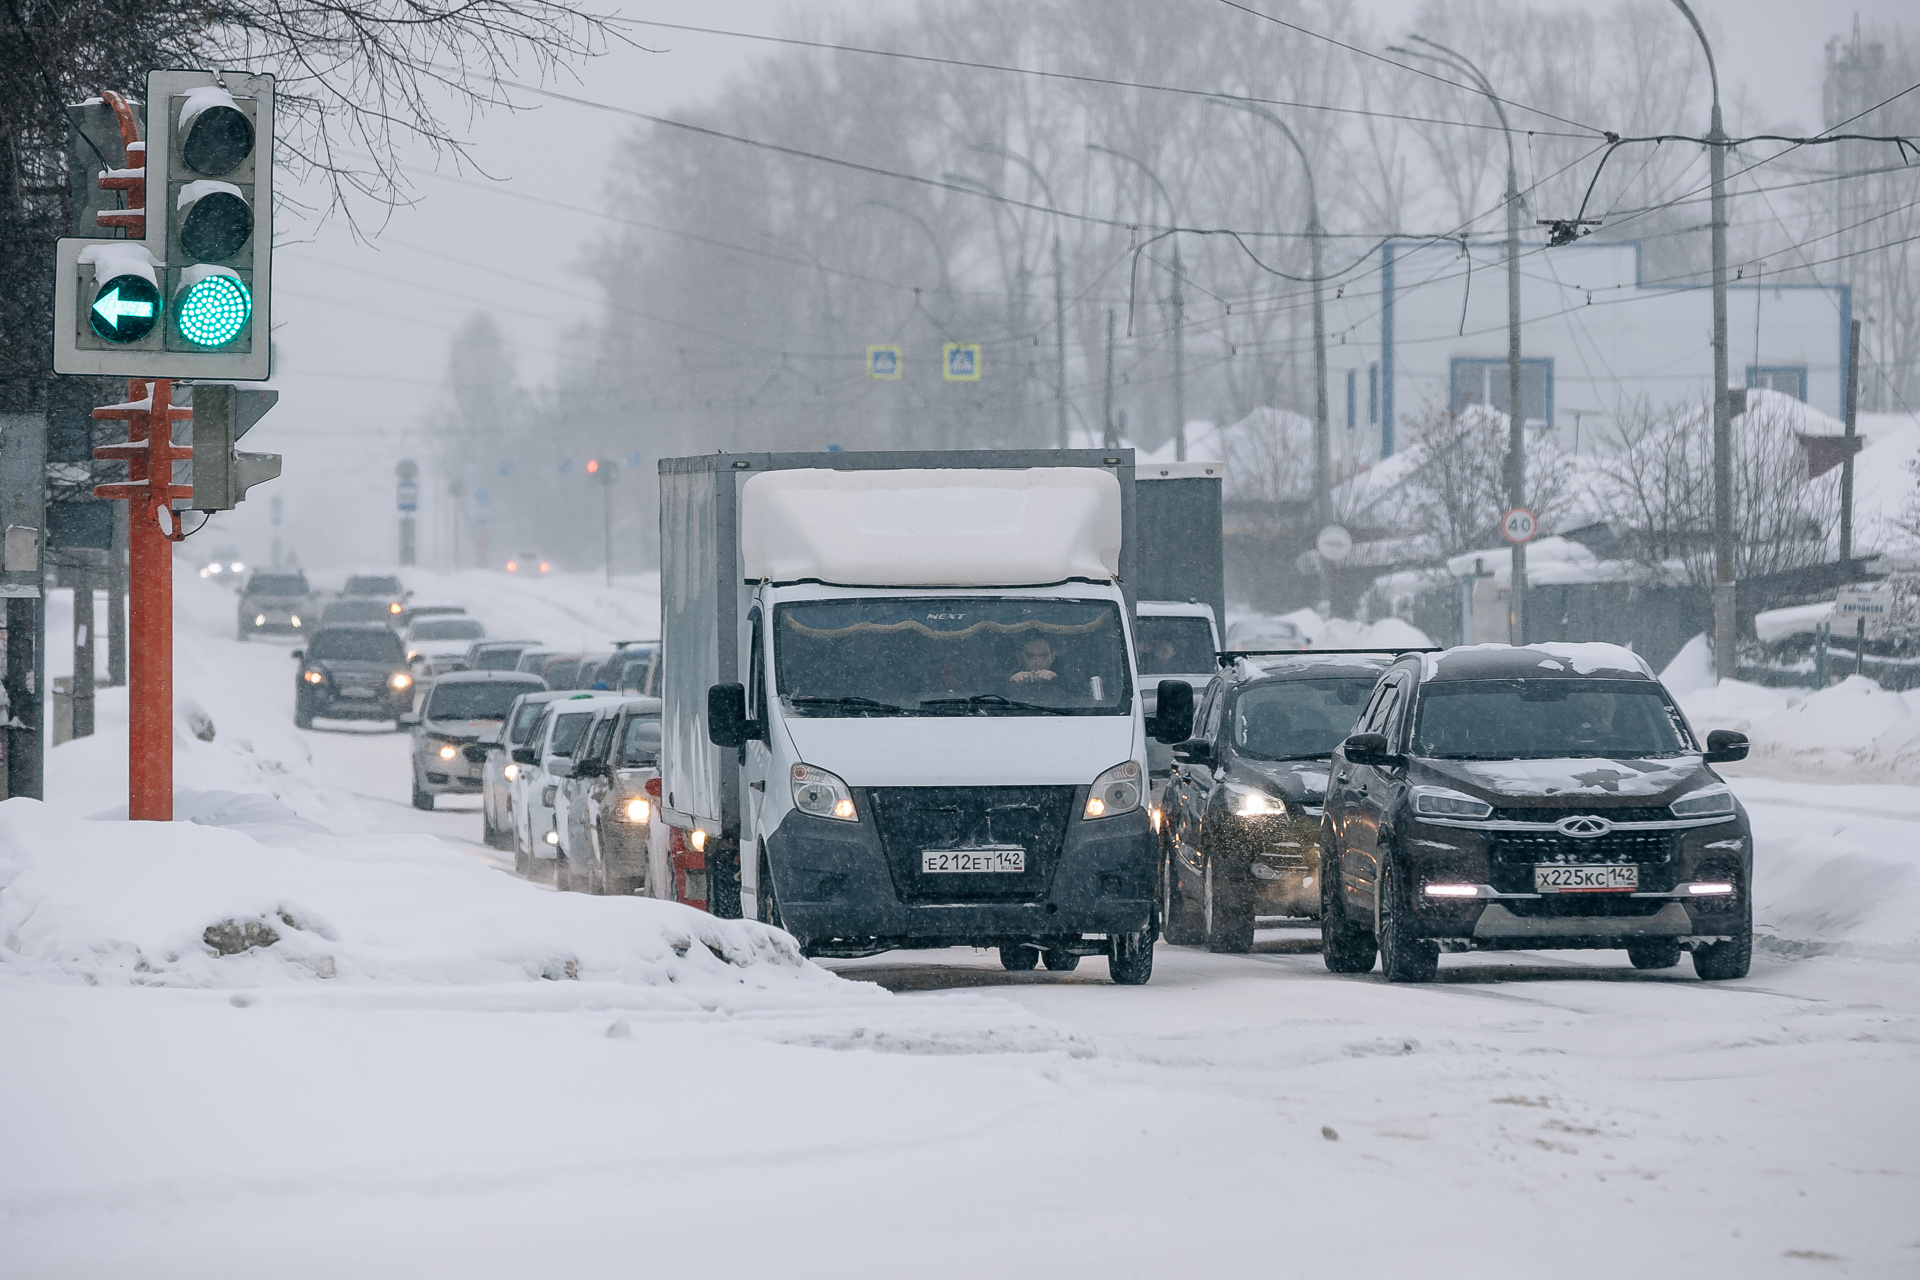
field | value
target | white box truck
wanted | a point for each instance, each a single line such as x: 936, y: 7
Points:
x: 902, y: 708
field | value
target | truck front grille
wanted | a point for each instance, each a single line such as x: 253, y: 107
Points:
x: 912, y: 820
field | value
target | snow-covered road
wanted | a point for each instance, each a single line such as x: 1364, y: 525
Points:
x: 932, y: 1115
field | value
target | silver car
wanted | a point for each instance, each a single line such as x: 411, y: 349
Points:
x: 498, y: 770
x: 603, y: 812
x: 458, y: 711
x: 554, y: 736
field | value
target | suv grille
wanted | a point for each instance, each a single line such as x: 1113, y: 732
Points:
x: 1642, y: 814
x: 914, y: 819
x: 1512, y: 856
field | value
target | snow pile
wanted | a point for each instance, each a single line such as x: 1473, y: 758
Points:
x: 1327, y: 633
x: 1835, y: 868
x: 271, y: 900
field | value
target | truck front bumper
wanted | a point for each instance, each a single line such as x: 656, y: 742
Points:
x: 839, y: 894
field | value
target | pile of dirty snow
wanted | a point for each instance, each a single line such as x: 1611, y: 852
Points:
x: 266, y: 899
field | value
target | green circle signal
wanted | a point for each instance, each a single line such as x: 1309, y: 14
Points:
x: 213, y: 310
x: 125, y: 309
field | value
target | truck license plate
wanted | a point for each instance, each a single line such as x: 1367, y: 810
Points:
x: 1605, y: 879
x: 1011, y: 859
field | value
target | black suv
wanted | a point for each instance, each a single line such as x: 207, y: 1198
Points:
x: 1526, y: 798
x: 276, y: 602
x: 352, y: 673
x: 1240, y: 814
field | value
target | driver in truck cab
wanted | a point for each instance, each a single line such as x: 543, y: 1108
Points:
x: 1036, y: 662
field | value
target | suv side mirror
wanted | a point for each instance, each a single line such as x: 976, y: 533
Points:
x: 1724, y: 746
x: 1172, y: 719
x: 525, y: 755
x: 298, y: 655
x: 1194, y: 751
x: 727, y: 723
x: 1369, y: 748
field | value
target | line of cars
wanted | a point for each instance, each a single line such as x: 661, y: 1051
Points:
x: 1476, y: 799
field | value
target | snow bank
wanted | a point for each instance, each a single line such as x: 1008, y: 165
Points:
x: 1337, y: 633
x: 266, y: 899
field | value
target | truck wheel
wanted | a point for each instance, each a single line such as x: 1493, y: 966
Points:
x: 1344, y: 946
x: 421, y: 799
x: 1404, y: 956
x: 1130, y: 958
x: 1229, y: 906
x: 1180, y: 919
x: 1019, y: 957
x: 1654, y: 953
x: 723, y: 882
x: 1059, y: 960
x: 767, y: 899
x: 1724, y: 961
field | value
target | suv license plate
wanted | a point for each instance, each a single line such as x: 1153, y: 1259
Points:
x: 1011, y: 859
x: 1606, y: 879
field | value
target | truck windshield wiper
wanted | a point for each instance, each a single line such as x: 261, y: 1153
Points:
x: 865, y: 704
x: 993, y: 700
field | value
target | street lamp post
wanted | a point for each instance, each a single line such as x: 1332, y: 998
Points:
x: 1322, y: 437
x: 1059, y: 288
x: 1724, y: 624
x: 1516, y: 461
x: 1178, y: 299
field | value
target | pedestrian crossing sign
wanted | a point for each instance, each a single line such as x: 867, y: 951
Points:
x: 961, y: 361
x: 883, y: 363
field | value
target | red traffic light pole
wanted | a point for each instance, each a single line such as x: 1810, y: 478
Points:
x: 152, y: 529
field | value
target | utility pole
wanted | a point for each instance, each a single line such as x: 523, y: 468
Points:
x: 1322, y: 431
x: 1516, y: 459
x: 1846, y: 461
x: 406, y: 498
x: 23, y: 497
x: 1179, y: 299
x: 607, y: 472
x: 1725, y: 634
x: 1109, y: 437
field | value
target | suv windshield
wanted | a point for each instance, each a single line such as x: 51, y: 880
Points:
x: 372, y: 585
x: 1297, y: 719
x: 1175, y: 646
x: 355, y: 611
x: 475, y: 699
x: 1547, y: 719
x: 277, y: 584
x: 960, y: 656
x: 640, y: 742
x: 356, y: 646
x: 448, y: 629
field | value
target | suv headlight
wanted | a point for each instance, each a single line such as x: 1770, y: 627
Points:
x: 1442, y: 802
x: 448, y: 751
x: 313, y: 677
x: 399, y: 680
x: 1251, y: 802
x: 821, y: 794
x: 1114, y: 792
x: 1707, y: 802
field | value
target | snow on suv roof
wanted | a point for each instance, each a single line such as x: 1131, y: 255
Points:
x: 1547, y: 659
x: 1308, y: 663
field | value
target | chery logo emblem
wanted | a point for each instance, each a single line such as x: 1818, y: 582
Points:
x: 1585, y: 826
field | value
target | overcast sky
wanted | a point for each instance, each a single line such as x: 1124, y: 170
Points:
x: 361, y: 329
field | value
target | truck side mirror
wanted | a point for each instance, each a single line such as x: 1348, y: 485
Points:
x: 1369, y: 749
x: 727, y: 723
x: 1173, y: 713
x: 1724, y: 746
x: 525, y: 755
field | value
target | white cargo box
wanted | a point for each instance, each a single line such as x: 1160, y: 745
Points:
x: 936, y: 528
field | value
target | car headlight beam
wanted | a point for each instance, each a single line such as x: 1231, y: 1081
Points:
x: 1251, y: 802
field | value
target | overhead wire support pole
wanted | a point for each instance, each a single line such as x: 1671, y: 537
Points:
x: 1516, y: 459
x: 1059, y: 287
x: 1177, y: 297
x: 1322, y: 430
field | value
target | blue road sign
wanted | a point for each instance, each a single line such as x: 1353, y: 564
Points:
x: 883, y: 363
x: 406, y: 495
x: 961, y: 361
x: 481, y: 496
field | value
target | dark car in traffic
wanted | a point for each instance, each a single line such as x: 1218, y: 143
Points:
x: 1240, y: 813
x: 275, y: 602
x: 461, y: 709
x: 1526, y: 798
x: 352, y: 672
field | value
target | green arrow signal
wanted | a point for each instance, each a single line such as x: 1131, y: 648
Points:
x: 112, y: 307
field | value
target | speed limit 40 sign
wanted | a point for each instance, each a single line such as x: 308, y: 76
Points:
x: 1519, y: 525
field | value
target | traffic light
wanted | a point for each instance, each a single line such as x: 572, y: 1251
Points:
x: 221, y: 474
x: 188, y: 298
x: 604, y: 470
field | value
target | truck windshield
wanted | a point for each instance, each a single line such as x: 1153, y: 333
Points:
x: 1546, y: 719
x: 1297, y: 719
x: 961, y: 656
x: 1175, y: 646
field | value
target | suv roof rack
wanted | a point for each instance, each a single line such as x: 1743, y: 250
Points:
x: 1227, y: 657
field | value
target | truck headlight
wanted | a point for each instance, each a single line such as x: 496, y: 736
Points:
x: 1251, y: 802
x: 1443, y: 802
x: 821, y: 794
x: 638, y: 810
x: 1114, y: 792
x: 1705, y: 803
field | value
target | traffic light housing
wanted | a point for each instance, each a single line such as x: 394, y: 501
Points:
x: 198, y: 304
x: 221, y: 474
